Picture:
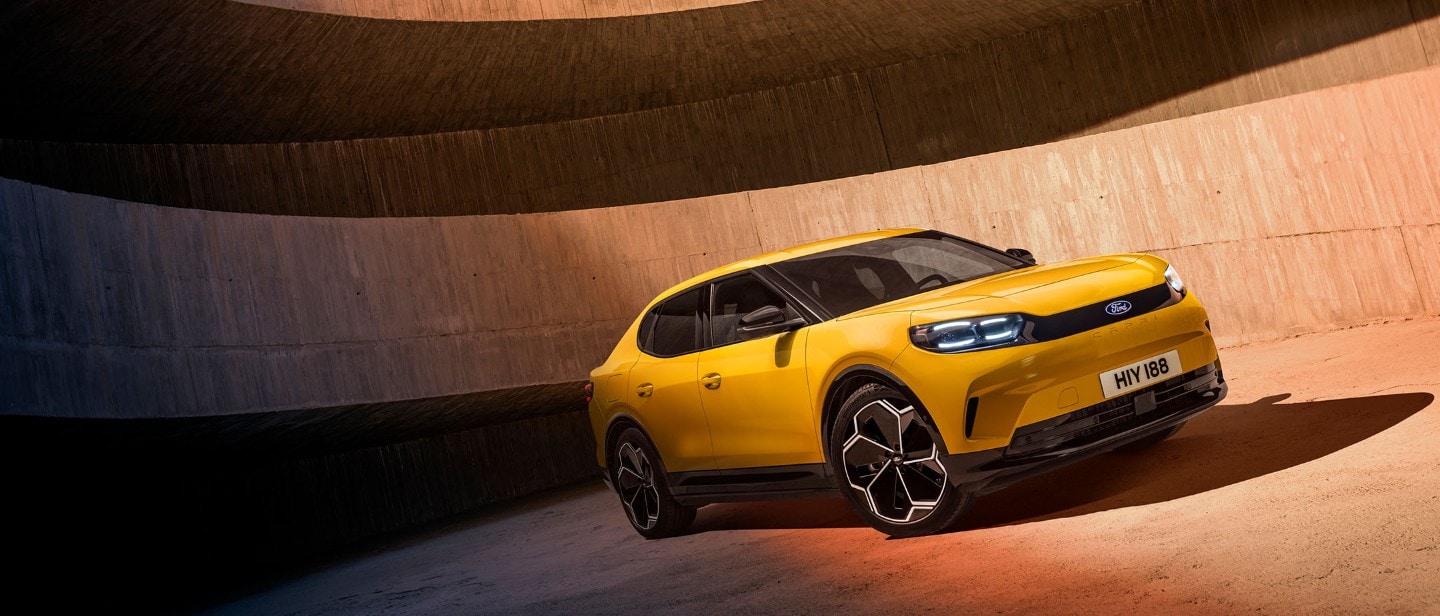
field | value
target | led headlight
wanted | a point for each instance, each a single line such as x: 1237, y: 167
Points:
x: 1172, y: 278
x: 970, y: 334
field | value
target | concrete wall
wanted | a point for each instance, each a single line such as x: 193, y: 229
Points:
x: 491, y: 10
x: 1297, y: 214
x: 730, y: 118
x: 212, y: 71
x: 242, y: 379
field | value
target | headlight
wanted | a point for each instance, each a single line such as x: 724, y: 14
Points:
x: 1172, y: 278
x: 970, y: 334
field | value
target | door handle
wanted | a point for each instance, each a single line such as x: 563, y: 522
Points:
x: 645, y: 390
x: 711, y: 381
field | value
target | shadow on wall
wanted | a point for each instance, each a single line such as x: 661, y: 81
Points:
x: 162, y: 513
x: 788, y: 119
x: 1229, y: 444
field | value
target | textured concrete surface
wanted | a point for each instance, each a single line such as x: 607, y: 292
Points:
x: 491, y: 10
x: 1309, y: 490
x: 355, y: 117
x: 297, y: 382
x: 370, y: 78
x: 1298, y: 214
x: 302, y: 433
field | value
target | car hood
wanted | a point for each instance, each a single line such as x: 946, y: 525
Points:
x: 1032, y: 289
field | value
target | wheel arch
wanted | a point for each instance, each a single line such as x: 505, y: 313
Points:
x: 853, y: 378
x: 615, y: 428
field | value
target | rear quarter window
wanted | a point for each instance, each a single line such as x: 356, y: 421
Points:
x: 672, y: 327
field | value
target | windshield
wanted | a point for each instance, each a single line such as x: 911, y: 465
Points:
x: 857, y: 277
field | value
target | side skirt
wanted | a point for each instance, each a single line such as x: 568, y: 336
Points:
x: 752, y: 484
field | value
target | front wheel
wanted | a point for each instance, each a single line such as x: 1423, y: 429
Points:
x: 888, y: 460
x: 639, y: 478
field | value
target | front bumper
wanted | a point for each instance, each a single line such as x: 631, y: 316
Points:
x: 1043, y: 446
x: 977, y: 401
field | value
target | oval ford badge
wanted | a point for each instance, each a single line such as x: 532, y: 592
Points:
x: 1117, y: 308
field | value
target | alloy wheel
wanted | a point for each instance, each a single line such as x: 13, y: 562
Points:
x: 635, y: 479
x: 891, y: 457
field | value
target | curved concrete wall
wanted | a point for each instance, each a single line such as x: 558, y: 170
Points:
x: 122, y: 309
x: 1298, y: 214
x: 232, y: 384
x: 724, y: 132
x: 491, y: 10
x: 213, y: 71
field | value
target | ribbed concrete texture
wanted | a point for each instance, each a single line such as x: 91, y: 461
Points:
x: 355, y: 117
x: 491, y: 10
x: 117, y: 309
x: 273, y: 280
x: 1298, y: 214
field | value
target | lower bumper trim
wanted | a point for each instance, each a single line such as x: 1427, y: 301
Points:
x: 1069, y: 438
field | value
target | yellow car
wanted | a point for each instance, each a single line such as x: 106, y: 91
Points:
x: 909, y: 370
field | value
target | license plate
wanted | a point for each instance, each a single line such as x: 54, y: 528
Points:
x: 1139, y: 374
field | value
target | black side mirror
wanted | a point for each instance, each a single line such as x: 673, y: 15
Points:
x: 1021, y: 254
x: 766, y: 321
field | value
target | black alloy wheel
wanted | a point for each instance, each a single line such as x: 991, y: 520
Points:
x: 639, y: 479
x: 888, y: 460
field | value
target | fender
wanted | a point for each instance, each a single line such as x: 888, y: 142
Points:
x: 851, y: 379
x: 613, y: 429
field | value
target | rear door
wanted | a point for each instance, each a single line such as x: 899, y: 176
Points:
x: 663, y: 388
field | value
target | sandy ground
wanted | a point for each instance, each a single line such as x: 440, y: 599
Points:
x: 1312, y: 489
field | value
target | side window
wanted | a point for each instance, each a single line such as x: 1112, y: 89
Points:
x: 673, y: 327
x: 736, y: 297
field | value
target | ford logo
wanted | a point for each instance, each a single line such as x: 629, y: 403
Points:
x: 1117, y: 308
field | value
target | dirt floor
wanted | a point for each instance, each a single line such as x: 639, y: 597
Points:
x: 1312, y: 489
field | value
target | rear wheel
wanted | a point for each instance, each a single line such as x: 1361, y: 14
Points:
x: 888, y: 460
x: 639, y: 478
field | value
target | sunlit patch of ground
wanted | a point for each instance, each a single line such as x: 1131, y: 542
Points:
x: 1312, y: 488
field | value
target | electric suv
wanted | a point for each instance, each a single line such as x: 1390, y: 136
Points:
x: 908, y: 370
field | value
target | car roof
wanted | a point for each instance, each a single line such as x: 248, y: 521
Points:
x: 782, y: 255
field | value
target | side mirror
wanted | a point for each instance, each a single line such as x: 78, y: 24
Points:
x: 1021, y: 254
x: 766, y: 321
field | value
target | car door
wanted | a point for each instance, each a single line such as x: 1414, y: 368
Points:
x: 754, y: 392
x: 663, y: 390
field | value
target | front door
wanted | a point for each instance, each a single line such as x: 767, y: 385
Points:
x: 754, y: 392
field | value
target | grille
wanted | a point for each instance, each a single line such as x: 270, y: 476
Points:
x: 1114, y: 416
x: 1086, y: 318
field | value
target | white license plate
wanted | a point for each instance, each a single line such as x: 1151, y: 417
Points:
x: 1139, y: 374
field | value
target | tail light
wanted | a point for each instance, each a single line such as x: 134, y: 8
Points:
x: 589, y: 391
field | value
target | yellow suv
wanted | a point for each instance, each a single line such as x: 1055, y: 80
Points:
x: 909, y: 370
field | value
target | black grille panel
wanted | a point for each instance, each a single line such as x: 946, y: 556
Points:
x: 1086, y: 318
x: 1114, y: 416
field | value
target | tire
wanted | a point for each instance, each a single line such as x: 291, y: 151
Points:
x: 886, y: 457
x: 1152, y: 440
x: 639, y: 478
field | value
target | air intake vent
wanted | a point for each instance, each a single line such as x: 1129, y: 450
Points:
x: 971, y: 409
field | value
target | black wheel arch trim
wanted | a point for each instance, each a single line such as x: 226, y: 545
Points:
x: 831, y: 406
x: 617, y: 426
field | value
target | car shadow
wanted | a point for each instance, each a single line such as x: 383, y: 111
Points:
x: 776, y: 515
x: 1224, y: 446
